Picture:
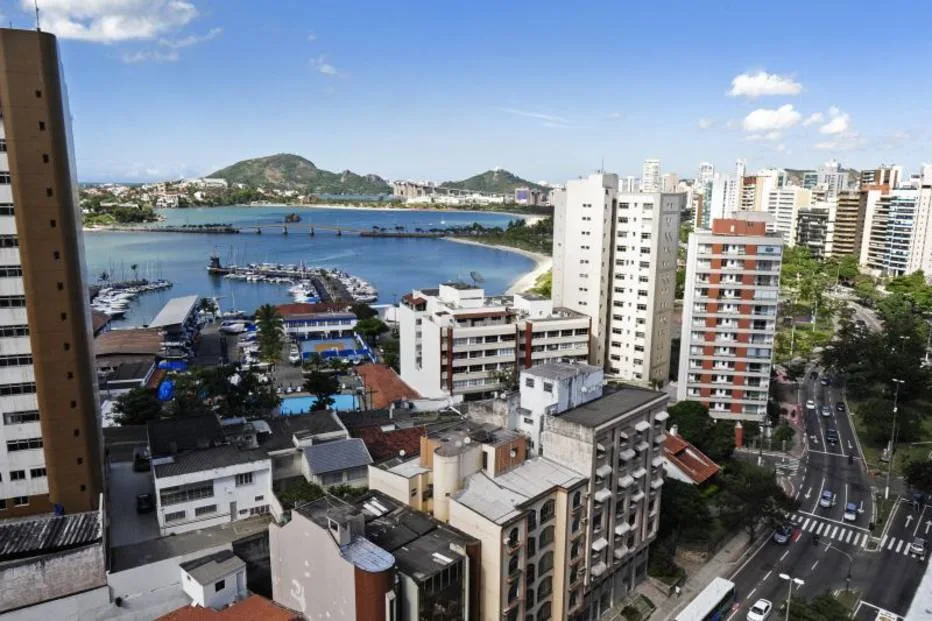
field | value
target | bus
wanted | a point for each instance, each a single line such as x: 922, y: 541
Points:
x: 713, y: 604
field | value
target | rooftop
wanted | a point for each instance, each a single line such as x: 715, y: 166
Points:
x: 612, y: 405
x: 133, y: 341
x: 43, y: 535
x: 560, y: 370
x: 501, y: 498
x: 429, y: 554
x: 128, y: 371
x: 337, y: 455
x: 298, y: 308
x: 250, y: 609
x: 688, y: 459
x: 385, y: 385
x: 99, y: 320
x: 456, y: 438
x: 173, y: 435
x: 384, y: 445
x: 208, y: 459
x: 175, y: 312
x: 208, y: 569
x: 284, y: 428
x: 407, y: 469
x: 460, y: 286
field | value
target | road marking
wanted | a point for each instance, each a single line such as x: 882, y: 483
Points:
x: 806, y: 523
x: 899, y: 547
x: 752, y: 592
x: 848, y: 538
x: 813, y: 566
x: 909, y: 518
x: 892, y: 541
x: 821, y: 488
x: 846, y: 495
x: 781, y: 558
x: 834, y: 530
x: 819, y: 517
x: 919, y: 521
x: 883, y: 541
x: 767, y: 576
x: 808, y: 493
x: 819, y: 529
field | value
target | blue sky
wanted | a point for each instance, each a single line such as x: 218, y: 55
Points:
x: 442, y: 90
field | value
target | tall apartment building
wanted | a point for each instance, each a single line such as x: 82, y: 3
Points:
x: 733, y: 188
x: 706, y: 173
x: 884, y: 175
x: 615, y: 260
x: 50, y: 439
x: 815, y: 229
x: 454, y: 340
x: 651, y: 180
x: 729, y: 317
x: 833, y: 178
x: 669, y: 183
x: 783, y: 205
x: 850, y: 206
x: 921, y: 251
x: 628, y: 184
x: 892, y: 248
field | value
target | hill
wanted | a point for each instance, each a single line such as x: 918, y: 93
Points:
x: 294, y: 172
x: 492, y: 181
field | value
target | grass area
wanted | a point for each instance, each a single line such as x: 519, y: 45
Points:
x: 807, y: 338
x: 903, y: 453
x: 849, y: 599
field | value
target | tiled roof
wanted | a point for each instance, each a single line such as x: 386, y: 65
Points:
x: 384, y: 445
x: 365, y: 418
x: 285, y: 427
x: 208, y: 459
x: 135, y: 341
x: 688, y: 459
x: 28, y: 537
x: 385, y: 385
x: 337, y: 455
x: 253, y: 608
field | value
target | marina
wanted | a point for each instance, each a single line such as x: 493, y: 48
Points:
x: 114, y: 299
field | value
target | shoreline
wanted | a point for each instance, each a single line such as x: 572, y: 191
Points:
x: 542, y: 263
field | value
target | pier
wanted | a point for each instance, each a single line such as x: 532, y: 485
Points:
x: 279, y: 229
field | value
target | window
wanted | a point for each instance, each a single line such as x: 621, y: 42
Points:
x: 546, y: 537
x: 220, y: 585
x: 48, y: 192
x: 45, y: 158
x: 24, y: 445
x: 546, y: 563
x: 15, y: 361
x: 20, y: 501
x: 9, y: 241
x: 206, y: 509
x: 529, y: 382
x: 17, y: 475
x: 11, y: 272
x: 12, y: 301
x: 10, y: 331
x: 41, y: 126
x: 186, y: 493
x: 577, y: 498
x: 2, y: 145
x: 174, y: 516
x: 260, y: 510
x: 5, y: 178
x: 547, y: 511
x: 37, y: 473
x: 17, y: 418
x: 548, y: 387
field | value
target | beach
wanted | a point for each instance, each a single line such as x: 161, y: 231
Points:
x: 526, y: 281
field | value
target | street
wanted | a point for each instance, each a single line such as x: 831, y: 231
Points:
x: 825, y: 550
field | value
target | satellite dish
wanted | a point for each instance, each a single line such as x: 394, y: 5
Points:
x: 476, y: 277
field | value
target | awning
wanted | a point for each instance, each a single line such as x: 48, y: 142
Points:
x: 638, y: 496
x: 603, y: 471
x: 602, y: 495
x: 642, y: 426
x: 621, y: 552
x: 657, y: 462
x: 662, y: 416
x: 625, y: 481
x: 626, y: 454
x: 622, y: 528
x: 642, y: 446
x: 600, y: 544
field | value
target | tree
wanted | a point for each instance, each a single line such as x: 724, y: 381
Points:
x: 371, y: 328
x: 714, y: 438
x: 190, y: 396
x: 208, y: 305
x: 390, y: 353
x: 137, y: 407
x: 507, y: 377
x: 751, y: 498
x: 919, y: 475
x: 684, y: 514
x: 820, y: 608
x: 784, y: 436
x: 323, y: 386
x: 363, y: 311
x: 271, y: 328
x: 544, y: 284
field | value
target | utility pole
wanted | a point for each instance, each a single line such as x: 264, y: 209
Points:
x: 789, y: 594
x: 896, y: 394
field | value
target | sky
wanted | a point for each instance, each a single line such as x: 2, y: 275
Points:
x: 550, y: 90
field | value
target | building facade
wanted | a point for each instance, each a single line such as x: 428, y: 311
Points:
x: 850, y: 206
x: 50, y: 450
x: 815, y: 227
x: 729, y: 318
x: 651, y: 180
x: 783, y: 206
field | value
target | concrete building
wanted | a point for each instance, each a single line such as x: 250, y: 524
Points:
x: 50, y: 451
x: 883, y: 175
x: 892, y: 247
x: 733, y: 188
x: 615, y: 260
x: 651, y: 180
x: 783, y: 205
x: 301, y: 322
x: 850, y: 206
x: 531, y: 196
x: 706, y: 173
x: 214, y: 581
x: 628, y: 184
x: 832, y: 178
x: 729, y: 317
x: 374, y: 559
x: 669, y: 183
x: 553, y: 387
x: 815, y: 229
x: 616, y: 443
x: 921, y: 251
x: 456, y: 340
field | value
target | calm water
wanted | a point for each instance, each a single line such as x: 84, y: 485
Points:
x: 394, y: 266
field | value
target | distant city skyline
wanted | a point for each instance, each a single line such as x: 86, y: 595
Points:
x: 165, y: 89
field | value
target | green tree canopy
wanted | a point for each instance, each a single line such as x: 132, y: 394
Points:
x: 271, y: 338
x: 751, y: 498
x: 714, y: 438
x: 363, y: 311
x: 323, y: 386
x: 919, y: 475
x: 371, y: 328
x: 137, y: 407
x: 820, y: 608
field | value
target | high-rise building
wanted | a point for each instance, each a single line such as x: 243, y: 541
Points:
x: 833, y: 178
x: 706, y: 173
x: 628, y: 184
x: 650, y: 176
x: 615, y: 260
x: 814, y: 229
x: 669, y: 183
x: 891, y: 236
x: 849, y: 223
x: 734, y: 188
x: 921, y: 252
x: 729, y: 317
x: 783, y: 205
x: 50, y: 449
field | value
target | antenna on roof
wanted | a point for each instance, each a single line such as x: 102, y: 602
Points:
x: 36, y: 3
x: 602, y: 165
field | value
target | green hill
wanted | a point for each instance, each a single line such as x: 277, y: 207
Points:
x: 294, y: 172
x: 492, y: 182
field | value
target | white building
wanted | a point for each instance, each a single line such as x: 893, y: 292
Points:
x: 650, y: 176
x: 783, y: 205
x: 455, y: 340
x: 615, y: 260
x: 214, y: 581
x: 921, y: 253
x: 832, y: 178
x: 729, y: 317
x: 706, y: 173
x: 628, y: 184
x: 554, y: 387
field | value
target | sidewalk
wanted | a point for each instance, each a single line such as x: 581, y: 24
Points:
x: 725, y: 562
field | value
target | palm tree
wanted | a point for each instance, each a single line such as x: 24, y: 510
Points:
x: 271, y: 332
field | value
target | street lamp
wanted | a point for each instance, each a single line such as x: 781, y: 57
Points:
x: 789, y: 594
x: 896, y: 394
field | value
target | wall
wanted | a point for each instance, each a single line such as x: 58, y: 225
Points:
x: 234, y: 588
x: 394, y: 485
x: 324, y: 588
x: 448, y: 476
x: 51, y: 576
x: 568, y: 444
x: 426, y: 378
x: 490, y: 537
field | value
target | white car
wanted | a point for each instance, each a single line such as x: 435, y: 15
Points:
x: 810, y: 405
x: 760, y: 611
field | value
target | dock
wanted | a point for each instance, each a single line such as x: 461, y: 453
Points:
x: 280, y: 229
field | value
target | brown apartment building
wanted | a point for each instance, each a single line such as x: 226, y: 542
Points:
x: 49, y: 439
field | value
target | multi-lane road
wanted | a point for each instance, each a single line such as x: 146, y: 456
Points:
x: 825, y: 550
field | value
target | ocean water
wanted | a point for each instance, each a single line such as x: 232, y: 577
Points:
x: 393, y: 266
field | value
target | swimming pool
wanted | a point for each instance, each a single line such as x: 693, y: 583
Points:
x: 302, y: 405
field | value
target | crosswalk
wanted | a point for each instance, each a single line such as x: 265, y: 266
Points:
x: 830, y: 531
x: 895, y: 545
x: 787, y: 466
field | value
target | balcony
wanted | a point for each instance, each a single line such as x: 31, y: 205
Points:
x: 625, y: 481
x: 599, y: 544
x: 602, y: 495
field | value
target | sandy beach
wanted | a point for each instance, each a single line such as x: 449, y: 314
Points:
x: 526, y: 281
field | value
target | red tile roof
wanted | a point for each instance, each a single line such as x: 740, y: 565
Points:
x: 253, y: 608
x: 384, y: 445
x: 385, y: 385
x: 688, y: 459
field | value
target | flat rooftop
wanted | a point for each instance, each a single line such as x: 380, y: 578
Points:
x: 208, y: 569
x: 612, y: 405
x: 457, y: 438
x: 560, y: 370
x: 175, y: 312
x: 130, y: 342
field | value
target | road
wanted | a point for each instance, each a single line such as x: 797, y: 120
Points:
x: 826, y: 551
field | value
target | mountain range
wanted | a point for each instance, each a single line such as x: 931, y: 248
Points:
x: 288, y: 171
x: 496, y: 181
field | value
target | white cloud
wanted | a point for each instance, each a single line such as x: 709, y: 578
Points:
x: 143, y: 56
x: 191, y: 39
x: 704, y: 123
x: 548, y: 118
x: 109, y: 21
x: 761, y: 84
x: 838, y: 123
x: 815, y: 117
x: 770, y: 136
x: 321, y: 65
x: 848, y: 141
x: 765, y: 119
x: 311, y: 37
x: 781, y: 148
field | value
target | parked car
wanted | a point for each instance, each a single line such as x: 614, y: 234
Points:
x: 140, y: 459
x: 782, y: 534
x: 826, y: 411
x: 827, y: 499
x: 145, y: 503
x: 918, y: 547
x: 840, y: 407
x: 760, y: 611
x: 851, y: 512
